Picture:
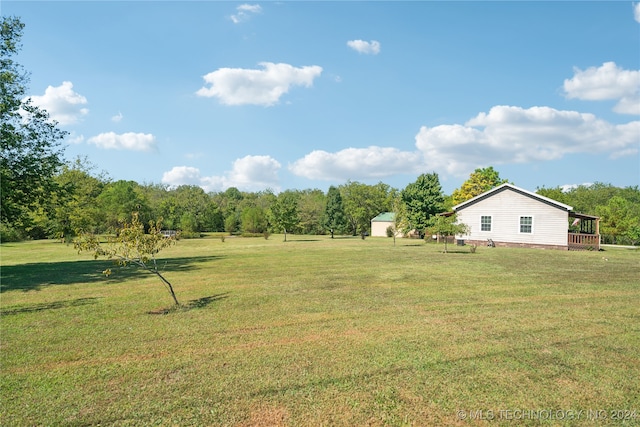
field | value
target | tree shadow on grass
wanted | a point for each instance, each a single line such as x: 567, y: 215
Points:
x: 192, y: 304
x: 35, y: 276
x: 47, y: 306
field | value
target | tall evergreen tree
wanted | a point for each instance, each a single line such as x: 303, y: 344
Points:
x: 334, y: 218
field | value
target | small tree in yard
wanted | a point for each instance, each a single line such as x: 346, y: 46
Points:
x: 131, y: 246
x: 400, y: 223
x: 284, y: 212
x: 446, y: 226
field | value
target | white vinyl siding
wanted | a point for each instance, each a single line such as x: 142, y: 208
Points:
x: 485, y: 223
x: 548, y: 227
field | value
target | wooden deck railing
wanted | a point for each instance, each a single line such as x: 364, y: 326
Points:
x: 583, y: 242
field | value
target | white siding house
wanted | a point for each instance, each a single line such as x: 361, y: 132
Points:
x: 511, y: 216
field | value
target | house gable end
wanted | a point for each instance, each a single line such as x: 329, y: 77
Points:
x: 504, y: 187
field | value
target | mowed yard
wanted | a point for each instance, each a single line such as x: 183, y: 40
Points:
x: 316, y: 331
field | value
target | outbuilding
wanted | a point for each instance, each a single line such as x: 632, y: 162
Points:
x: 380, y: 223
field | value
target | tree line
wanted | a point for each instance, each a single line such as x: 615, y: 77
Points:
x: 44, y: 196
x: 81, y: 201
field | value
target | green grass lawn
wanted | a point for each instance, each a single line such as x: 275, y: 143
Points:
x: 317, y: 331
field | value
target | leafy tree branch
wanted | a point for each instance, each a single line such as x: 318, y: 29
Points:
x: 132, y: 245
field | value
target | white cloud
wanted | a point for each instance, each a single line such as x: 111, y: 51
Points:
x: 628, y: 105
x: 515, y: 135
x: 244, y: 12
x: 182, y: 175
x: 74, y: 138
x: 606, y: 82
x: 254, y: 171
x: 568, y: 187
x: 361, y: 46
x: 117, y: 118
x: 636, y: 12
x: 504, y: 135
x: 239, y: 86
x: 249, y: 173
x: 62, y: 103
x: 126, y: 141
x: 356, y: 163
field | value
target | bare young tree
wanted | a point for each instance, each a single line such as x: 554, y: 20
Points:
x: 132, y: 245
x: 446, y: 226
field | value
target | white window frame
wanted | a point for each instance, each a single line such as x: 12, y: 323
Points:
x: 520, y: 224
x: 490, y: 223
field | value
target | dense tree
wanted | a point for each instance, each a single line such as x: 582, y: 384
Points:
x: 585, y: 198
x: 334, y: 218
x: 423, y: 199
x: 167, y: 208
x: 480, y: 180
x: 311, y: 205
x: 119, y: 200
x: 555, y: 193
x: 228, y: 205
x: 363, y: 202
x: 188, y: 224
x: 254, y: 219
x: 30, y: 143
x: 71, y: 207
x: 618, y: 223
x: 193, y: 202
x: 283, y: 214
x: 75, y: 208
x: 183, y: 206
x: 618, y: 208
x: 232, y: 223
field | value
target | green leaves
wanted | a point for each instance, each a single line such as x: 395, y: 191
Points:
x: 334, y: 217
x: 284, y: 212
x: 423, y: 198
x: 362, y: 202
x: 30, y: 143
x: 618, y: 220
x: 445, y: 226
x: 131, y: 245
x: 481, y: 180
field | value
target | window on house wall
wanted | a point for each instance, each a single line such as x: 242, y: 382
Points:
x: 526, y: 224
x: 485, y: 223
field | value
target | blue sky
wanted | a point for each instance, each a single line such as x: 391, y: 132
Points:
x: 302, y: 95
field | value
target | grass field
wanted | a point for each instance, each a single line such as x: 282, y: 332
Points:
x: 317, y: 331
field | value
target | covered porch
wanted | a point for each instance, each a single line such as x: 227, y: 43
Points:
x: 584, y: 232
